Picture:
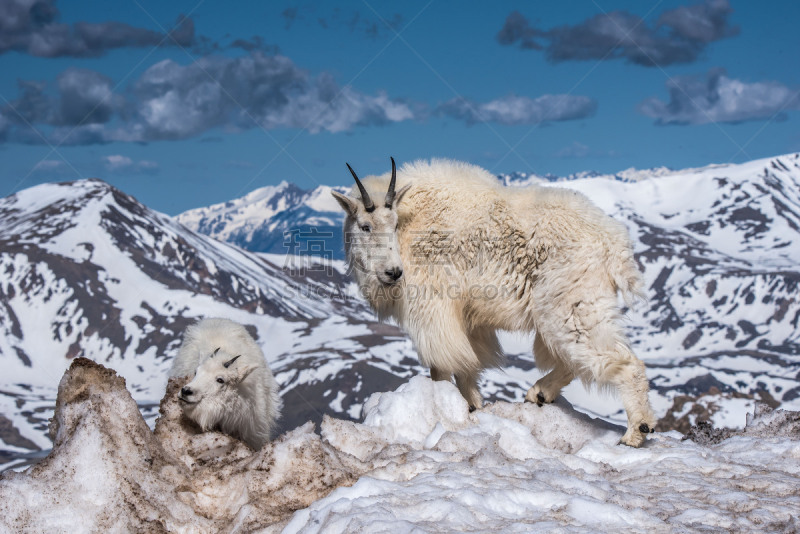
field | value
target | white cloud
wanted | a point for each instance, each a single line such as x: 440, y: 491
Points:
x: 514, y: 109
x: 50, y: 165
x: 117, y: 163
x: 718, y: 98
x: 257, y: 90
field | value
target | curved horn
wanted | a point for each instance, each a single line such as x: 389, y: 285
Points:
x: 229, y: 362
x: 368, y: 205
x: 390, y: 192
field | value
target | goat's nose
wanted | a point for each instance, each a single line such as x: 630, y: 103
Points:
x: 186, y: 392
x: 394, y: 273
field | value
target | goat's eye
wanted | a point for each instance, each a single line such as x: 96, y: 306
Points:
x: 366, y: 228
x: 220, y: 380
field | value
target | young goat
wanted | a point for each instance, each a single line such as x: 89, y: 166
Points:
x: 231, y: 389
x: 453, y: 256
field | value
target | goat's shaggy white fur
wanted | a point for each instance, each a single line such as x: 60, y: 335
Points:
x: 232, y: 388
x: 477, y: 257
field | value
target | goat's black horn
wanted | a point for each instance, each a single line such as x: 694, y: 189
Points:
x: 229, y: 362
x: 368, y: 205
x: 216, y: 351
x: 392, y: 182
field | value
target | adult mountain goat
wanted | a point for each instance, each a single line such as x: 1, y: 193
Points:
x: 231, y: 389
x: 453, y: 256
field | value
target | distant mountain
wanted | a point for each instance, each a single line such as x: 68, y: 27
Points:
x: 628, y: 175
x: 281, y: 219
x: 87, y: 270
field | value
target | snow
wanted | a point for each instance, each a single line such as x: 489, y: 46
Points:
x: 419, y: 462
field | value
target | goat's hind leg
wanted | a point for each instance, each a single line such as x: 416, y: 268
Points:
x: 632, y: 384
x: 548, y: 388
x: 606, y: 354
x: 589, y: 337
x: 602, y: 352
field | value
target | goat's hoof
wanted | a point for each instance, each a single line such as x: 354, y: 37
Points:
x: 537, y: 396
x: 644, y: 428
x: 472, y: 408
x: 632, y: 439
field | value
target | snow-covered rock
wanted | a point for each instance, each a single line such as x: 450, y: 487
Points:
x: 419, y: 462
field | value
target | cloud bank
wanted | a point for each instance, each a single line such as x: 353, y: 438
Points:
x: 32, y: 27
x: 173, y: 101
x: 514, y: 110
x: 717, y: 98
x: 678, y: 36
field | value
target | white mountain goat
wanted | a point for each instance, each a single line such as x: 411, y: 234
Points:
x: 232, y: 388
x: 453, y: 256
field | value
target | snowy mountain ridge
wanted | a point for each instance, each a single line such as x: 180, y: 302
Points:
x: 631, y: 174
x: 91, y: 272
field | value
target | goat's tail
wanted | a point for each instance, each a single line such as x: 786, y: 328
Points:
x: 627, y: 278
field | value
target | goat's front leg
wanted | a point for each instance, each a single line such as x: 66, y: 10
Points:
x: 437, y: 375
x: 444, y: 346
x: 468, y: 386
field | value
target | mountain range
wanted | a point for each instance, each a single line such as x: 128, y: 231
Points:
x: 89, y: 271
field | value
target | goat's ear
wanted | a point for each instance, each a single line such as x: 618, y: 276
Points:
x: 398, y: 196
x: 349, y: 205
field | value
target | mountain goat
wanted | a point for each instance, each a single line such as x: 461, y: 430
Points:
x: 232, y: 388
x: 453, y: 256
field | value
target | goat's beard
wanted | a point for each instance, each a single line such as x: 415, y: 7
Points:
x: 207, y: 413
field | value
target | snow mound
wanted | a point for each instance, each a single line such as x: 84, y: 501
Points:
x: 109, y: 472
x: 419, y: 462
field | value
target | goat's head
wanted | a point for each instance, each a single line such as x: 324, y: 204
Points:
x: 371, y: 231
x: 214, y: 387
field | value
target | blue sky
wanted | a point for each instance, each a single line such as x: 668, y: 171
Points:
x: 188, y: 103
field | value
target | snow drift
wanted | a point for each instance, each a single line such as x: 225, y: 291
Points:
x: 419, y: 460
